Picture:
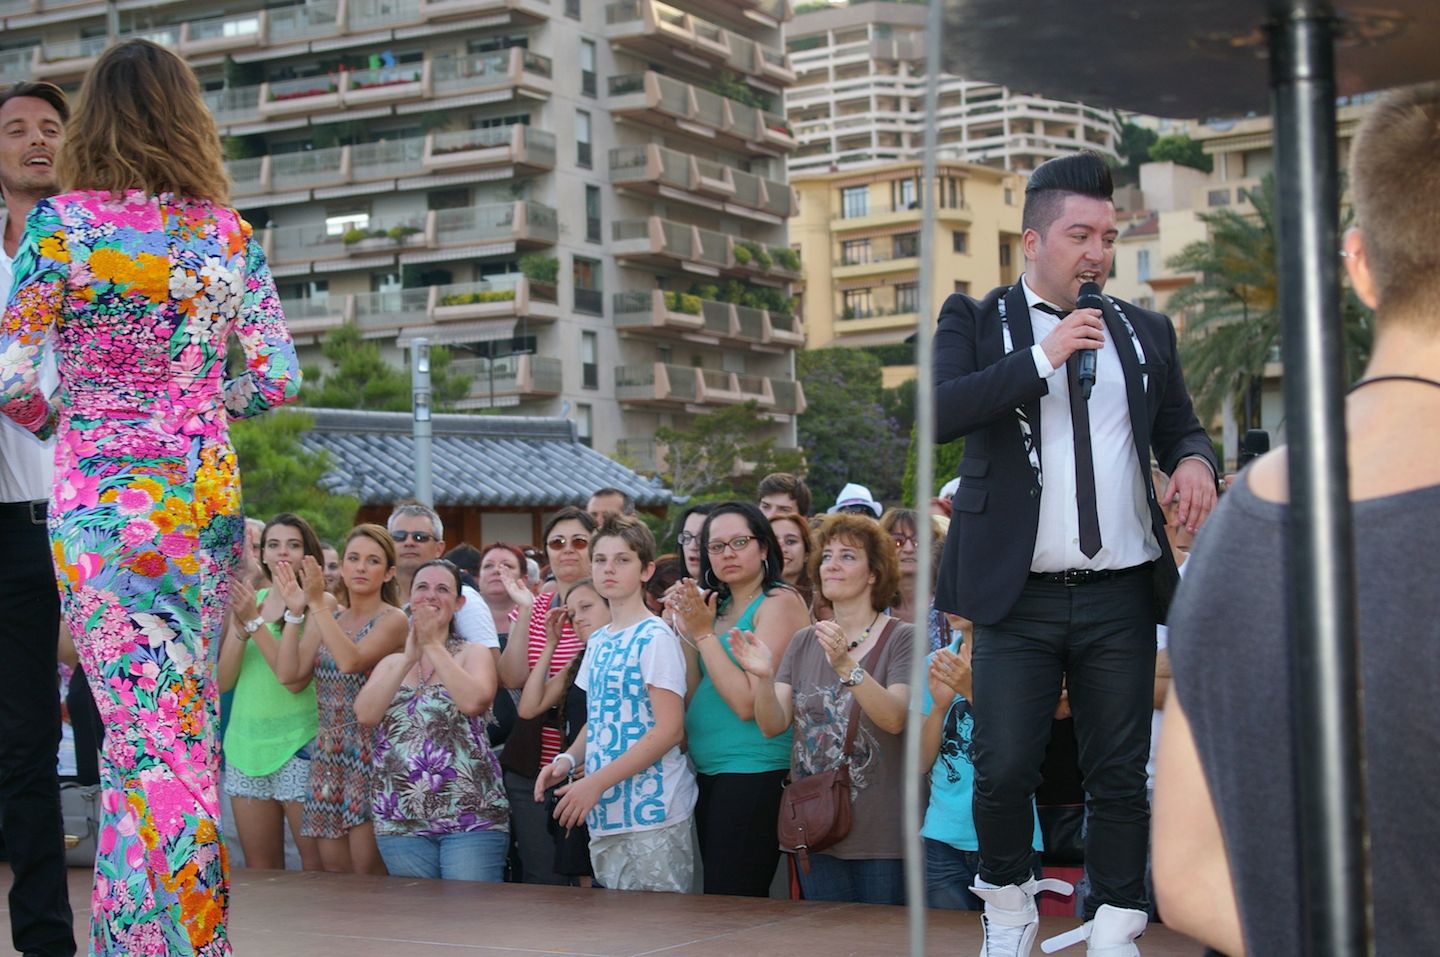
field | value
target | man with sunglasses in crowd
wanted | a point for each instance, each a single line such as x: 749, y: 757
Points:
x: 419, y: 538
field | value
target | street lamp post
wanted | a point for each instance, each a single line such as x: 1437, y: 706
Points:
x: 420, y: 404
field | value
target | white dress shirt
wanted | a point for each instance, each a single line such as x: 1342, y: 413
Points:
x: 27, y: 465
x: 1126, y: 536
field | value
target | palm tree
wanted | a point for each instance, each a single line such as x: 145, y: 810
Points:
x: 1233, y: 308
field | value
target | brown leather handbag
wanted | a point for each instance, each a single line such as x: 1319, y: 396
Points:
x: 815, y: 811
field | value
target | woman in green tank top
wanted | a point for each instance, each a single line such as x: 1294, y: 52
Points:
x: 271, y: 724
x: 740, y: 772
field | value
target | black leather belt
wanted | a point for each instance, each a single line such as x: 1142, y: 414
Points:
x: 1085, y: 576
x: 33, y: 512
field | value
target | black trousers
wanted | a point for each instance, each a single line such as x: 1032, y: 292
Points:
x: 735, y: 817
x: 1100, y: 638
x: 40, y: 917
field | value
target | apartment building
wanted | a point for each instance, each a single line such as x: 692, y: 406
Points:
x: 859, y: 232
x: 586, y: 200
x: 859, y: 98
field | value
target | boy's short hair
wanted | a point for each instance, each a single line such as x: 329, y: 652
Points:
x: 40, y: 90
x: 632, y: 532
x: 785, y: 483
x: 1395, y: 183
x: 465, y: 557
x: 1083, y: 174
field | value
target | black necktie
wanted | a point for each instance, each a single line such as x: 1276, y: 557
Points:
x: 1084, y: 456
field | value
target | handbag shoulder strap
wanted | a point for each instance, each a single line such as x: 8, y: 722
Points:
x: 853, y: 727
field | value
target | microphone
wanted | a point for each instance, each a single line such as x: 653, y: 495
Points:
x: 1089, y: 298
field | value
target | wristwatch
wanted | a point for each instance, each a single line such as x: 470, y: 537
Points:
x: 857, y: 675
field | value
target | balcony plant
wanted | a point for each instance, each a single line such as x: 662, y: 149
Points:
x: 788, y: 258
x: 537, y: 267
x: 478, y: 296
x: 402, y: 232
x: 682, y: 302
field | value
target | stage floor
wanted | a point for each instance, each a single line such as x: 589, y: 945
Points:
x: 291, y: 914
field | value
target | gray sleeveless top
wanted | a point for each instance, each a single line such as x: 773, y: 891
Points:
x: 1233, y: 673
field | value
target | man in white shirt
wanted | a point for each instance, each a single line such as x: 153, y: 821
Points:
x: 419, y: 538
x: 32, y: 124
x: 1057, y: 548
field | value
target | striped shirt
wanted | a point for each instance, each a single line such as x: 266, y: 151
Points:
x: 551, y: 740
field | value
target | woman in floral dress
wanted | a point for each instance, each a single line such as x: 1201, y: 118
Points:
x: 136, y: 276
x: 440, y: 808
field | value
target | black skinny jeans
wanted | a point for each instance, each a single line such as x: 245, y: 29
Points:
x: 1100, y: 638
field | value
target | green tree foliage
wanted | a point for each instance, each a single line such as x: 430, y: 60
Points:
x: 278, y: 474
x: 360, y: 378
x: 947, y: 460
x: 1233, y: 321
x: 1134, y: 149
x: 721, y: 453
x: 1181, y: 150
x: 845, y: 431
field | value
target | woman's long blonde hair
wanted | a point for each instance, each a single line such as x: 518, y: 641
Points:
x: 142, y: 124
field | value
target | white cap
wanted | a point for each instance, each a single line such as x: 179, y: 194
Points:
x: 853, y: 494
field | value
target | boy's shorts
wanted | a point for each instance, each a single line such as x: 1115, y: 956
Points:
x: 660, y: 859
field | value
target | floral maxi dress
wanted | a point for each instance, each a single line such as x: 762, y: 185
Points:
x: 137, y: 296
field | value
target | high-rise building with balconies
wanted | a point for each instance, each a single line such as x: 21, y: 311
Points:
x: 586, y: 200
x: 859, y: 98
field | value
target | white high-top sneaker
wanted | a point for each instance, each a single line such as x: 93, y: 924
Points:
x: 1111, y: 933
x: 1010, y: 921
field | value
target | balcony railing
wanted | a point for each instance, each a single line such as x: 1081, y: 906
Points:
x: 523, y: 147
x: 425, y: 307
x: 436, y: 78
x: 650, y: 26
x: 524, y: 221
x: 669, y: 243
x: 673, y: 105
x: 663, y: 385
x: 690, y: 317
x: 654, y: 166
x: 510, y: 377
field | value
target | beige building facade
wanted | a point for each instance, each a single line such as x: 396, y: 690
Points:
x: 858, y: 233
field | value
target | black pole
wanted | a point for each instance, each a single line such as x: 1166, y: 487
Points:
x: 1334, y: 869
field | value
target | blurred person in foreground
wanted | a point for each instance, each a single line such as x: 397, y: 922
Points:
x: 139, y: 273
x: 1227, y: 855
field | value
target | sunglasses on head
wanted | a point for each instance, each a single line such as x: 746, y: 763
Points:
x: 577, y: 542
x: 419, y: 537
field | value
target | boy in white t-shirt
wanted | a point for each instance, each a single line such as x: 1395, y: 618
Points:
x: 638, y: 792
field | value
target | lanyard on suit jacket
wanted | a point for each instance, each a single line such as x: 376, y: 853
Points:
x: 1137, y: 356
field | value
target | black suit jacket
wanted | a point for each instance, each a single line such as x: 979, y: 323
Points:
x: 996, y: 509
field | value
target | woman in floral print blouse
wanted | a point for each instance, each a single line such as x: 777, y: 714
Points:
x: 137, y: 276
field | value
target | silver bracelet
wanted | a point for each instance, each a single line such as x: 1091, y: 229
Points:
x: 294, y: 619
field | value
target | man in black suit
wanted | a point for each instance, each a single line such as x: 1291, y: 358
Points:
x: 1057, y: 549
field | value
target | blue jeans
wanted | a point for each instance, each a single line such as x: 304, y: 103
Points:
x: 951, y: 872
x: 879, y: 881
x: 466, y: 856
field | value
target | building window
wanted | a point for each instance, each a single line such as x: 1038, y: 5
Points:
x: 854, y: 251
x: 582, y: 138
x: 1004, y: 255
x: 1146, y: 302
x: 587, y: 67
x: 338, y: 224
x: 905, y: 195
x: 962, y: 286
x: 585, y: 424
x: 592, y: 214
x: 857, y: 304
x: 907, y: 297
x: 589, y: 360
x: 854, y: 202
x: 1009, y: 196
x: 1142, y: 265
x: 905, y: 245
x: 960, y: 241
x: 572, y: 9
x: 588, y: 295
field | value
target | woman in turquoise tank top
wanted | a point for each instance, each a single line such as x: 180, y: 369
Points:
x: 271, y: 724
x: 740, y: 771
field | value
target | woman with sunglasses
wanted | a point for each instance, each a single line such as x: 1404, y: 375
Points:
x: 903, y: 527
x: 740, y: 771
x: 534, y: 743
